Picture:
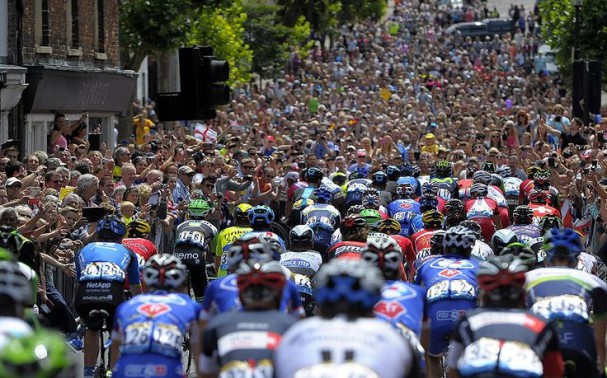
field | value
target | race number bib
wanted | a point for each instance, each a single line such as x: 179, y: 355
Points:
x: 137, y: 337
x: 102, y: 271
x: 195, y: 238
x: 345, y: 370
x: 562, y: 307
x: 243, y: 369
x: 508, y: 357
x: 451, y: 289
x: 167, y: 339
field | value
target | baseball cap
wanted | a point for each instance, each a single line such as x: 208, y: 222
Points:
x: 186, y: 170
x: 270, y: 138
x: 361, y: 153
x: 430, y: 136
x: 13, y: 181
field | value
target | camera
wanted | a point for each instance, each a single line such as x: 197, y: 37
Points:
x: 558, y: 118
x: 247, y: 178
x: 552, y: 161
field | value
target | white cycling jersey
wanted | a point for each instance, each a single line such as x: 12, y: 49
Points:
x: 306, y: 263
x: 315, y: 347
x: 481, y: 250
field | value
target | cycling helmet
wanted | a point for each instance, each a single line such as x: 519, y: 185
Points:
x: 276, y: 246
x: 548, y: 222
x: 454, y: 207
x: 10, y: 240
x: 442, y: 168
x: 383, y: 252
x: 541, y: 178
x: 261, y: 215
x: 488, y: 166
x: 428, y: 202
x: 538, y: 196
x: 393, y: 172
x: 241, y: 212
x: 14, y: 284
x: 470, y: 170
x: 430, y: 188
x: 355, y: 209
x: 40, y: 354
x: 405, y: 191
x: 138, y: 228
x: 479, y: 190
x: 521, y: 251
x: 348, y: 287
x: 313, y: 174
x: 415, y: 171
x: 522, y: 214
x: 532, y: 170
x: 323, y: 195
x: 436, y: 242
x: 502, y: 238
x: 433, y: 219
x: 371, y: 200
x: 110, y: 227
x: 306, y: 293
x: 301, y: 235
x: 359, y: 173
x: 353, y: 221
x: 339, y: 178
x: 199, y: 209
x: 380, y: 178
x: 501, y: 280
x: 164, y: 272
x: 504, y: 171
x: 248, y: 248
x: 459, y: 240
x: 260, y: 282
x: 497, y: 180
x: 372, y: 217
x: 389, y: 226
x: 291, y: 176
x: 406, y: 169
x: 482, y: 177
x: 562, y: 243
x: 473, y: 226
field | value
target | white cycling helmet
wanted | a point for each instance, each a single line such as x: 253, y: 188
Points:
x: 164, y: 271
x: 14, y: 284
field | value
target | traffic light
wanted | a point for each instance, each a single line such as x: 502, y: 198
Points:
x: 202, y: 77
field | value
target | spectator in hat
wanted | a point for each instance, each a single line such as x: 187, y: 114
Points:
x: 268, y: 148
x: 184, y: 180
x: 13, y: 189
x: 430, y: 145
x: 361, y: 163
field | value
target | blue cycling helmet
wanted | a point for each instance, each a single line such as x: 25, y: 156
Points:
x: 406, y: 169
x: 110, y: 227
x: 380, y: 178
x: 562, y: 243
x: 359, y: 173
x: 348, y: 287
x: 428, y: 202
x: 393, y: 172
x: 313, y: 174
x: 323, y: 195
x: 430, y: 187
x: 261, y: 215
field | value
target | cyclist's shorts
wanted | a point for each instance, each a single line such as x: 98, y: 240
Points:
x: 98, y: 295
x: 443, y: 316
x: 577, y: 346
x: 147, y: 365
x: 189, y: 254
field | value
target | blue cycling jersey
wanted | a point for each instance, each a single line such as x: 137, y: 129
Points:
x: 155, y: 324
x: 448, y: 277
x: 410, y: 180
x: 404, y: 210
x: 222, y: 296
x: 402, y: 303
x: 103, y: 261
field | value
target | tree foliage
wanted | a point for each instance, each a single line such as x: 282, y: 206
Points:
x: 558, y: 23
x: 223, y: 29
x: 263, y: 26
x: 149, y: 26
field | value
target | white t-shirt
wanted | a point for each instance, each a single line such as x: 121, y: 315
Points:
x: 316, y: 345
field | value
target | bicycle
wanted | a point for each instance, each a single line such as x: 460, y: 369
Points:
x: 103, y: 368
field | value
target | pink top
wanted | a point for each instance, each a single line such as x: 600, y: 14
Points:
x: 61, y: 142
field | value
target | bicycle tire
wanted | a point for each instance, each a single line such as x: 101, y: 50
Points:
x: 187, y: 351
x: 279, y: 230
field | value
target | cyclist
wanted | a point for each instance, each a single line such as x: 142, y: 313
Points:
x: 512, y: 186
x: 372, y: 217
x: 404, y: 208
x: 541, y: 181
x: 301, y: 258
x: 502, y: 238
x: 495, y: 193
x: 371, y: 201
x: 102, y: 268
x: 357, y: 185
x: 451, y: 290
x: 392, y: 227
x: 242, y: 343
x: 521, y: 252
x: 433, y: 222
x: 443, y: 175
x: 501, y: 338
x: 345, y: 340
x: 150, y: 329
x: 483, y: 210
x: 137, y: 233
x: 428, y: 201
x: 522, y: 224
x: 380, y: 180
x: 538, y: 200
x: 323, y: 218
x: 481, y: 250
x: 354, y: 231
x: 576, y: 299
x: 260, y: 219
x: 402, y: 303
x: 226, y: 237
x: 527, y: 185
x: 455, y: 212
x: 193, y: 242
x: 393, y: 173
x: 306, y: 293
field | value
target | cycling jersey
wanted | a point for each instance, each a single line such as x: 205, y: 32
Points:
x: 242, y: 343
x: 406, y: 248
x: 512, y: 188
x: 587, y: 263
x: 526, y: 233
x: 403, y: 210
x: 107, y: 262
x: 451, y: 289
x: 481, y: 250
x: 402, y: 303
x: 222, y: 296
x: 571, y: 297
x: 447, y: 187
x: 540, y: 211
x: 189, y: 233
x: 482, y: 211
x: 464, y: 186
x: 317, y: 347
x: 421, y: 242
x: 151, y: 329
x: 225, y: 238
x: 345, y: 249
x: 504, y: 342
x: 323, y: 213
x: 143, y: 248
x: 265, y: 235
x: 305, y: 262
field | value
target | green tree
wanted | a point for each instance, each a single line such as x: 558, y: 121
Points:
x: 223, y: 29
x: 356, y: 10
x: 151, y: 26
x: 558, y: 23
x: 263, y: 25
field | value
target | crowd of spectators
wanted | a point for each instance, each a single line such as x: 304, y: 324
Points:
x: 402, y: 90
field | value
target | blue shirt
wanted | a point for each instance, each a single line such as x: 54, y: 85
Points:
x: 107, y: 262
x: 402, y: 303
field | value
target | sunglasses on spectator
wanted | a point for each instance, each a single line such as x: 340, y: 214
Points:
x: 248, y: 167
x: 209, y: 185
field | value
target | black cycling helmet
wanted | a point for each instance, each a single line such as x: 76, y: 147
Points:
x: 313, y: 174
x: 474, y: 227
x: 548, y: 222
x: 393, y: 172
x: 380, y: 178
x: 521, y: 251
x: 501, y: 280
x: 406, y: 169
x: 355, y: 209
x: 522, y: 214
x: 110, y: 227
x: 454, y: 207
x: 488, y: 166
x: 436, y: 243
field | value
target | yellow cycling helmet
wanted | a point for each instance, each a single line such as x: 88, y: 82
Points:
x: 241, y: 212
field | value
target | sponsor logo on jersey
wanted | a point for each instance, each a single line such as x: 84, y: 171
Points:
x: 451, y: 315
x: 390, y: 309
x: 398, y: 290
x: 243, y: 340
x: 134, y: 370
x: 449, y: 273
x: 152, y: 310
x: 98, y: 285
x: 296, y: 263
x: 452, y: 264
x: 405, y: 205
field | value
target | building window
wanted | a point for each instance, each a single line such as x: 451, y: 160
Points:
x: 99, y: 27
x: 73, y: 32
x: 42, y: 27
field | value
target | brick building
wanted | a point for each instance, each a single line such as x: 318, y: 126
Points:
x: 70, y: 49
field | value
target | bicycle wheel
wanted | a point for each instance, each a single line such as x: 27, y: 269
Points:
x: 187, y: 355
x: 279, y: 230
